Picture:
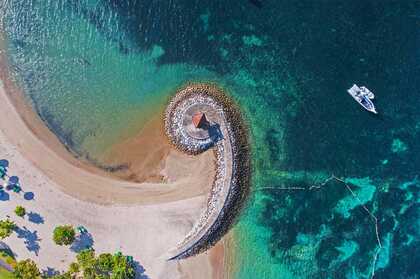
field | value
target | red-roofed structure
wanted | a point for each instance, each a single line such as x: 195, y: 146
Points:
x: 199, y: 120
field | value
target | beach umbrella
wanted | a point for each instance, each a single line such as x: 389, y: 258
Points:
x: 16, y: 189
x: 81, y: 229
x: 28, y: 196
x: 3, y: 171
x: 4, y: 163
x: 13, y: 180
x: 199, y: 120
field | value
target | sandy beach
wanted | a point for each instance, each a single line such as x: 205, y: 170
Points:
x: 86, y: 182
x: 164, y: 196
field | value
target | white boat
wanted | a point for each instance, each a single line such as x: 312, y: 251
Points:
x: 363, y: 96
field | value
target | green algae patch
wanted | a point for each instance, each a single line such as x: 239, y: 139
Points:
x: 245, y: 78
x: 205, y: 20
x: 223, y: 53
x: 406, y: 185
x: 385, y: 252
x: 302, y: 252
x: 252, y: 40
x: 157, y: 51
x: 398, y: 146
x: 347, y: 249
x: 364, y: 192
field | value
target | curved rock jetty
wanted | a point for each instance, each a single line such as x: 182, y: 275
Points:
x: 226, y: 134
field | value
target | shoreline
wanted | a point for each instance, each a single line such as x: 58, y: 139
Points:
x: 85, y: 182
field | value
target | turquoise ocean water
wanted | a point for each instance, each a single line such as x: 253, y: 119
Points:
x: 96, y: 70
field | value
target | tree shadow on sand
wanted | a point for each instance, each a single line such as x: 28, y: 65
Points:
x: 50, y: 271
x: 4, y: 163
x: 82, y: 241
x: 4, y: 196
x: 35, y: 218
x: 140, y: 271
x: 31, y: 239
x: 29, y: 196
x: 13, y: 180
x: 6, y: 248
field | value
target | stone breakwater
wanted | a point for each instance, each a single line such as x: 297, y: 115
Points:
x: 228, y: 138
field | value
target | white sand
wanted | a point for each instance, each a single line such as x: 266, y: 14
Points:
x: 155, y: 218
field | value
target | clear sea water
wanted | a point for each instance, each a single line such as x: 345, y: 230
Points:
x: 96, y: 70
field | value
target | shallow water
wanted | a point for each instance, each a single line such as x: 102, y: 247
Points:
x: 97, y: 70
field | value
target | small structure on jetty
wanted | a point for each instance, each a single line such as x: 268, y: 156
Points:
x: 198, y: 118
x: 200, y: 121
x: 196, y: 123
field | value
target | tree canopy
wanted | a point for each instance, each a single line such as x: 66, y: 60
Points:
x: 26, y: 269
x: 122, y: 269
x: 64, y: 235
x: 20, y: 211
x: 66, y: 275
x: 105, y: 265
x: 6, y: 228
x: 74, y: 268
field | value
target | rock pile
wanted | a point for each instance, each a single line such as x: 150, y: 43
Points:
x: 231, y: 182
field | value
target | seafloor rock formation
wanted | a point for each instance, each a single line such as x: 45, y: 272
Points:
x: 227, y: 135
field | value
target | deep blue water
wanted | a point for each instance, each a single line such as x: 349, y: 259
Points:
x: 288, y: 64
